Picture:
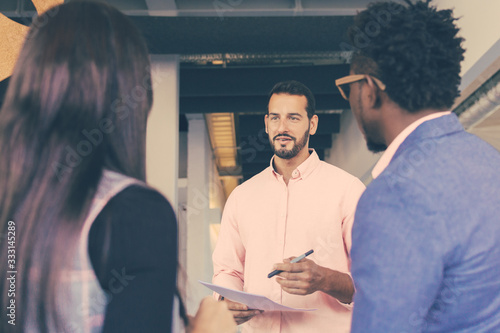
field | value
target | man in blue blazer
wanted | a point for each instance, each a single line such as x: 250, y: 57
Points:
x: 426, y: 236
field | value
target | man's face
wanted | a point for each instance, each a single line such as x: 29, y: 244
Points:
x: 287, y: 125
x: 368, y: 126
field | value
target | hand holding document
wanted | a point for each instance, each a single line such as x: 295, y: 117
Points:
x: 257, y: 302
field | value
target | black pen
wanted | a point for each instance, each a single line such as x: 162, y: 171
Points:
x: 293, y: 261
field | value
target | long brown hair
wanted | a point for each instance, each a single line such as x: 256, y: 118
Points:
x: 77, y: 103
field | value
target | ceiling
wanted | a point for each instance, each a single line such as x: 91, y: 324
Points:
x: 219, y: 8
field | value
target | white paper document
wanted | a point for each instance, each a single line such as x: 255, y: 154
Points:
x: 253, y: 301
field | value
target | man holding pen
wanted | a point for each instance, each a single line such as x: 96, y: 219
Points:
x: 297, y: 204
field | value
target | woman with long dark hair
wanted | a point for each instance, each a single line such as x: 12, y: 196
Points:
x: 87, y: 246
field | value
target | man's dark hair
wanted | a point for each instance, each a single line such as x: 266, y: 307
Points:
x: 297, y: 89
x: 414, y: 49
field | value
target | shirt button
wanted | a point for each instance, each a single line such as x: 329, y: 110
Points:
x: 295, y: 173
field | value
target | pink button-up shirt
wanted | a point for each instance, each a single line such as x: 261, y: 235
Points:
x: 265, y: 221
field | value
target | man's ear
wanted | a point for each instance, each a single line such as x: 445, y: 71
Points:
x: 313, y: 125
x: 372, y: 93
x: 266, y: 119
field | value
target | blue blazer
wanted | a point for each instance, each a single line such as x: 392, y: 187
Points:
x: 426, y: 237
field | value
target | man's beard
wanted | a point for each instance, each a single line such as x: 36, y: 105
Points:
x: 287, y: 154
x: 375, y: 147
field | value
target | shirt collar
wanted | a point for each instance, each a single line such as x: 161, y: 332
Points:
x: 386, y: 158
x: 304, y: 169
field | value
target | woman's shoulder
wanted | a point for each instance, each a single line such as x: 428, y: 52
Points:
x: 139, y: 208
x: 135, y: 223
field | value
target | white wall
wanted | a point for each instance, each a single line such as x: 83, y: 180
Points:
x: 197, y: 197
x: 205, y: 199
x: 349, y: 151
x: 479, y: 24
x: 162, y: 141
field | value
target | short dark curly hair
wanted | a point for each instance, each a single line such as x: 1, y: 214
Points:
x: 414, y: 49
x: 296, y: 88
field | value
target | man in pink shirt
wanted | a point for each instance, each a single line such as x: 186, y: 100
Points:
x: 297, y: 204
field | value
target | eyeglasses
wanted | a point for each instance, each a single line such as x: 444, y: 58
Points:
x: 344, y: 84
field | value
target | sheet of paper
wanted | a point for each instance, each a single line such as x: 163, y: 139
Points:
x: 253, y: 301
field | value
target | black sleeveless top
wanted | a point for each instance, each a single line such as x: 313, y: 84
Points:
x: 133, y: 250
